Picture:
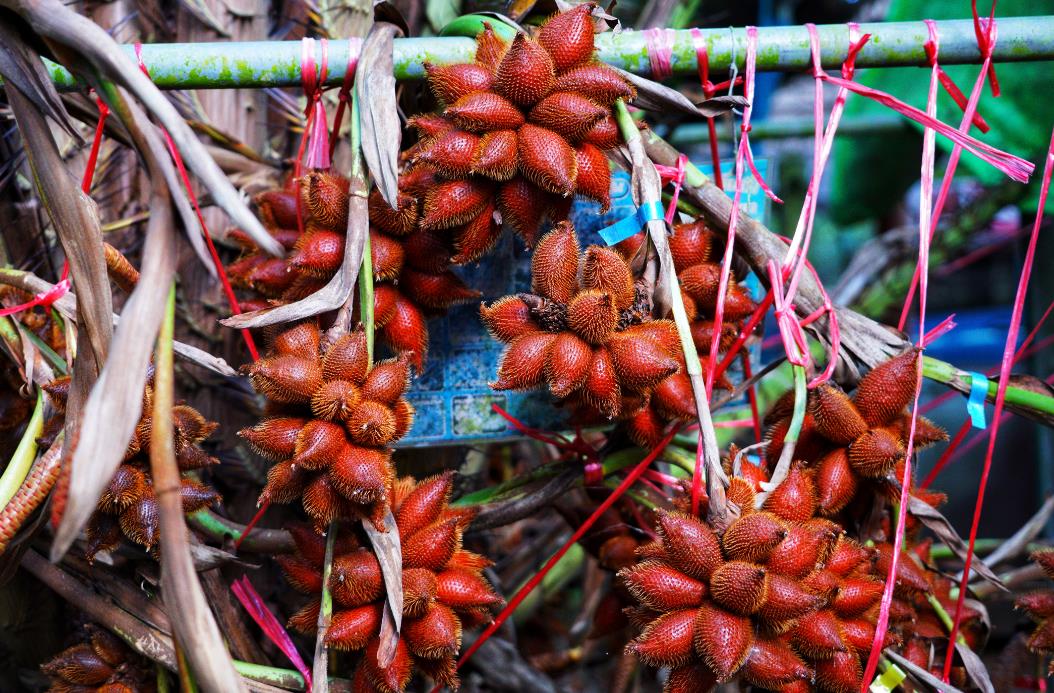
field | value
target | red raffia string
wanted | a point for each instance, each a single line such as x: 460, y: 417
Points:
x: 675, y: 175
x: 316, y: 137
x: 702, y: 59
x: 659, y: 44
x: 945, y: 326
x: 252, y: 602
x: 986, y: 44
x: 593, y: 471
x: 752, y: 397
x: 925, y: 208
x: 1000, y: 397
x: 344, y: 95
x: 228, y: 290
x: 45, y: 299
x: 536, y: 579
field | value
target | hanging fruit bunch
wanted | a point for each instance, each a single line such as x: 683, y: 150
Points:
x: 128, y: 507
x: 1039, y: 605
x: 444, y: 590
x: 103, y: 663
x: 332, y: 419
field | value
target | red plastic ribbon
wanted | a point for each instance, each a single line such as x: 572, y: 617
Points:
x: 659, y: 44
x: 925, y: 209
x: 1000, y: 397
x: 702, y: 60
x: 228, y: 290
x: 253, y: 603
x: 675, y: 175
x: 344, y: 95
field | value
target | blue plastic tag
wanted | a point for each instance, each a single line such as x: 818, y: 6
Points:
x: 624, y: 228
x: 975, y: 404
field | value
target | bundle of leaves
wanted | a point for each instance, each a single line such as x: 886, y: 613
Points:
x: 444, y: 590
x: 332, y: 419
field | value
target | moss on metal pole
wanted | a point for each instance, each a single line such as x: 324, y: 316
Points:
x: 252, y: 64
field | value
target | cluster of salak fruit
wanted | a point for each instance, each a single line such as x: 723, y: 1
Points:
x: 1040, y: 606
x: 587, y: 332
x: 522, y: 130
x: 102, y: 664
x: 784, y: 598
x: 332, y: 416
x: 128, y: 505
x: 443, y: 589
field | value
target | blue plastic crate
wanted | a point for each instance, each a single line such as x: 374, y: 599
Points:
x: 452, y: 396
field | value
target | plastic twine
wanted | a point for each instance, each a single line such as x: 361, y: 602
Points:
x: 702, y: 61
x: 228, y: 290
x: 675, y: 175
x: 1000, y: 397
x: 925, y: 205
x: 986, y: 44
x: 254, y: 604
x: 316, y: 137
x: 344, y: 95
x: 659, y: 44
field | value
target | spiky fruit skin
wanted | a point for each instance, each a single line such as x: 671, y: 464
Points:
x: 100, y: 662
x: 443, y: 585
x: 332, y: 449
x: 128, y: 506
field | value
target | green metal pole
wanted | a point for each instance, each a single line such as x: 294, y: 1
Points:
x: 256, y: 64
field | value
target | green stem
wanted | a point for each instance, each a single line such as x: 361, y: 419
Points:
x: 944, y: 616
x: 948, y: 374
x: 25, y: 453
x: 800, y: 398
x: 492, y: 493
x: 283, y: 678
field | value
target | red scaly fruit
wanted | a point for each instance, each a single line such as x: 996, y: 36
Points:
x: 798, y: 554
x: 387, y: 256
x: 772, y: 664
x: 495, y: 155
x: 740, y: 491
x: 911, y: 576
x: 525, y: 74
x: 640, y: 363
x: 335, y: 400
x: 351, y: 629
x: 568, y: 114
x: 397, y: 222
x: 856, y: 595
x: 489, y: 47
x: 568, y: 364
x: 835, y: 417
x: 405, y: 331
x: 819, y: 634
x: 601, y: 389
x: 692, y: 546
x: 690, y: 678
x: 507, y: 318
x: 270, y: 277
x: 703, y: 334
x: 690, y: 244
x: 428, y: 126
x: 450, y: 82
x: 522, y: 205
x: 835, y: 481
x: 593, y: 316
x: 604, y: 270
x: 356, y: 578
x: 461, y: 589
x: 847, y: 556
x: 277, y: 208
x: 594, y: 175
x: 285, y: 483
x: 435, y: 634
x: 841, y: 673
x: 787, y: 600
x: 666, y: 641
x: 387, y: 381
x: 454, y: 202
x: 547, y: 160
x: 361, y: 474
x: 433, y: 546
x: 436, y: 291
x: 371, y: 424
x: 485, y: 111
x: 722, y: 639
x: 319, y: 253
x: 794, y: 499
x: 554, y: 266
x: 1039, y: 605
x: 568, y: 36
x: 273, y: 438
x: 597, y: 81
x: 451, y: 153
x: 884, y: 392
x: 740, y: 587
x: 325, y: 197
x: 604, y: 134
x: 523, y: 363
x: 673, y: 398
x: 285, y: 379
x: 318, y: 445
x: 645, y: 427
x: 1044, y: 558
x: 423, y: 506
x: 875, y: 453
x: 427, y: 251
x: 662, y: 587
x: 752, y: 537
x: 347, y: 358
x: 393, y: 678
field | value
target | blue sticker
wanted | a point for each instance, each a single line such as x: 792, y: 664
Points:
x: 975, y: 405
x: 623, y: 229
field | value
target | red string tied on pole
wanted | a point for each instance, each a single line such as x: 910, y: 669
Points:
x: 316, y: 134
x: 659, y: 44
x: 344, y: 95
x: 702, y: 59
x: 675, y: 175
